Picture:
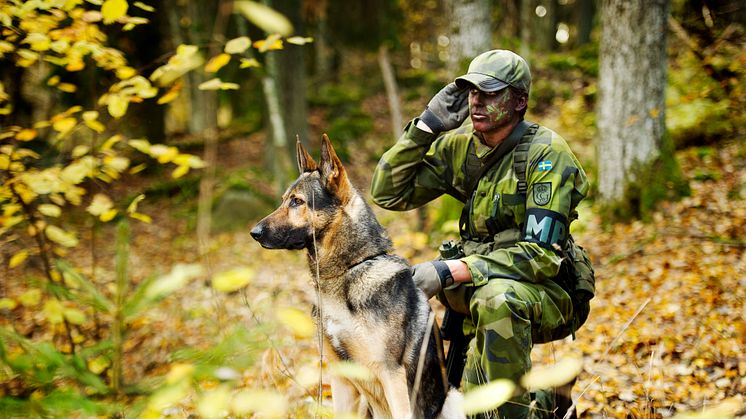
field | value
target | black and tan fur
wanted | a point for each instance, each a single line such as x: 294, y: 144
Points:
x: 371, y: 312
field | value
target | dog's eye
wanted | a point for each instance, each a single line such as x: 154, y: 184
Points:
x: 296, y: 202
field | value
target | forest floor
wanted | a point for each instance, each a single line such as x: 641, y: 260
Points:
x: 666, y: 332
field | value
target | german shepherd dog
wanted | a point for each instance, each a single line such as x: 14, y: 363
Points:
x: 371, y: 312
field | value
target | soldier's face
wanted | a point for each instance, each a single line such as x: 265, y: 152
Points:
x: 491, y: 111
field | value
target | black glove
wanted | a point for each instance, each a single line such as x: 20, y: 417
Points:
x: 447, y: 109
x: 432, y: 277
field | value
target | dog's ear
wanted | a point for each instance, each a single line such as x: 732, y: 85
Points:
x: 332, y: 171
x: 305, y: 161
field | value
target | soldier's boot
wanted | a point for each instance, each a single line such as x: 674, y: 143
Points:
x: 564, y: 408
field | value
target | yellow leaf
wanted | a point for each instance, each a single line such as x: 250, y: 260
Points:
x: 265, y: 17
x: 7, y: 304
x: 74, y: 316
x: 351, y: 370
x: 98, y: 364
x: 108, y: 215
x: 96, y: 126
x: 180, y: 171
x: 117, y: 105
x: 168, y: 396
x: 249, y: 63
x: 214, y: 403
x: 549, y: 376
x: 112, y: 10
x: 163, y: 153
x: 172, y: 94
x: 108, y: 144
x: 18, y: 259
x: 217, y: 84
x: 140, y: 145
x: 179, y: 372
x: 141, y: 217
x: 53, y: 81
x: 233, y: 280
x: 488, y: 397
x: 297, y: 321
x: 53, y: 311
x: 217, y: 62
x: 30, y: 298
x: 299, y: 40
x: 263, y: 403
x: 50, y: 210
x: 99, y: 205
x: 38, y: 41
x: 64, y: 125
x: 237, y: 45
x: 132, y: 207
x: 67, y: 87
x: 271, y: 43
x: 144, y: 6
x: 26, y: 134
x: 80, y: 150
x: 124, y: 73
x: 179, y: 276
x: 60, y: 236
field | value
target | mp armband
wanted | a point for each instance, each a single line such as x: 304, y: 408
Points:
x: 545, y: 228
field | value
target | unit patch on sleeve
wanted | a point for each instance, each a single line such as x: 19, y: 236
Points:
x: 542, y: 193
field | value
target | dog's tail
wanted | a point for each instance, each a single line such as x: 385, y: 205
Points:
x: 453, y: 406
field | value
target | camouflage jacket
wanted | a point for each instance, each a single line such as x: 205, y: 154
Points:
x: 422, y: 166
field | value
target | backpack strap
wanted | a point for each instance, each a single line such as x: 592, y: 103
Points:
x: 516, y: 138
x: 520, y: 159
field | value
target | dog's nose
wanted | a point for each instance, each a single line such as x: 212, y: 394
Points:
x: 257, y: 232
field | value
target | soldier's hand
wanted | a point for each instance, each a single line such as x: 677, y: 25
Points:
x: 432, y: 277
x: 447, y: 109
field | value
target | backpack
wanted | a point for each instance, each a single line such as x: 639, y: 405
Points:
x: 576, y: 275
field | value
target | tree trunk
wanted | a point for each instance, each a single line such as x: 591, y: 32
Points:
x: 634, y: 159
x: 278, y: 145
x: 527, y: 11
x: 392, y: 91
x: 545, y: 24
x: 290, y: 77
x: 471, y: 31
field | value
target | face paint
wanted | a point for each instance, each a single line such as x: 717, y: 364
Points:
x: 491, y: 111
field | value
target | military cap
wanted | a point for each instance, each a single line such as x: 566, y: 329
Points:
x: 495, y: 70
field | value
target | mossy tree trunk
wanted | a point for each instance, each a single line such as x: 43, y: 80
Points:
x: 636, y: 161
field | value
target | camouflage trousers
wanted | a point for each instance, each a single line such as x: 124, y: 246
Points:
x: 507, y: 317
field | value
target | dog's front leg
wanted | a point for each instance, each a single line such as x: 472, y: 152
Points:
x: 395, y: 389
x: 345, y: 397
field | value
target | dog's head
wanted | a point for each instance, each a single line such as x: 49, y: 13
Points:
x: 309, y: 205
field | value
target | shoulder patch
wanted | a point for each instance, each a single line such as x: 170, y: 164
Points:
x: 542, y: 193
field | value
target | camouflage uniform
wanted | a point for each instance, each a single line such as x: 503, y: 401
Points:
x: 515, y: 303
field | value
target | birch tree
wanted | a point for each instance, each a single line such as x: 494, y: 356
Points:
x: 636, y: 164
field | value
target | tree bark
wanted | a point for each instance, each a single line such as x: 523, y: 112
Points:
x: 278, y: 145
x: 631, y: 113
x: 471, y: 31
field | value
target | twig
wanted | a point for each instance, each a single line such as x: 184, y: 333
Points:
x: 319, y: 314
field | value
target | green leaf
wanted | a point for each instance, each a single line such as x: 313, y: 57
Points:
x: 265, y: 17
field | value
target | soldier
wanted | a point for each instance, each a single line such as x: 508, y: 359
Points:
x: 513, y: 225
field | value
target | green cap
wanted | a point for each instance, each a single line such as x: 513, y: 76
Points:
x: 495, y: 70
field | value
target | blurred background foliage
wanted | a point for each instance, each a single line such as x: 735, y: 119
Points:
x: 127, y: 286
